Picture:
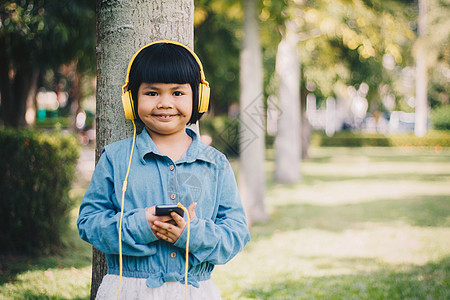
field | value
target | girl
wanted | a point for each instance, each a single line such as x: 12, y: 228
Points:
x: 170, y: 165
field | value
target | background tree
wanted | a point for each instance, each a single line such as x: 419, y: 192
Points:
x: 421, y: 105
x: 287, y: 141
x: 217, y: 36
x: 437, y: 42
x: 122, y: 29
x: 36, y: 36
x: 252, y: 118
x: 431, y: 50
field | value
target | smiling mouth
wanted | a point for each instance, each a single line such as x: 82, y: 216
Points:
x: 165, y: 116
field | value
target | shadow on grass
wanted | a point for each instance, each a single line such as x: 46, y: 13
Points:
x: 36, y: 295
x: 313, y: 179
x: 430, y: 281
x: 423, y: 211
x: 377, y: 154
x: 397, y: 158
x: 76, y: 256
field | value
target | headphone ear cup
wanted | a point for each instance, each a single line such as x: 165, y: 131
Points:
x: 203, y: 99
x: 128, y: 107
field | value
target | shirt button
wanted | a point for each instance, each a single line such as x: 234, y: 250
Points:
x: 173, y: 196
x: 173, y: 255
x: 171, y: 167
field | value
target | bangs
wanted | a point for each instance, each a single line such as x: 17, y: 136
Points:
x: 165, y: 63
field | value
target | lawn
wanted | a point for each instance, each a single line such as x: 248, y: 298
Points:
x: 363, y: 223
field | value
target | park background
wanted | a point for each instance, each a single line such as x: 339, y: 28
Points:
x: 365, y: 212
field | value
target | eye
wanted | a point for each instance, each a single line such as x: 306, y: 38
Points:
x: 153, y: 94
x: 178, y: 93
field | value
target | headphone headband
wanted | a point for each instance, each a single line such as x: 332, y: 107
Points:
x: 202, y: 73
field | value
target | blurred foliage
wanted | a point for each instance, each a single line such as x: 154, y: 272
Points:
x: 440, y: 117
x: 46, y: 34
x: 36, y: 173
x: 437, y: 41
x: 342, y: 43
x: 437, y: 139
x: 37, y: 36
x: 224, y: 133
x: 434, y: 138
x: 53, y: 122
x: 217, y: 36
x: 350, y: 139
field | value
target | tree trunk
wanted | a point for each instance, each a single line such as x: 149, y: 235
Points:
x: 123, y: 27
x: 288, y: 142
x: 75, y: 93
x: 30, y: 102
x: 306, y: 126
x: 252, y: 119
x: 421, y: 116
x: 16, y: 83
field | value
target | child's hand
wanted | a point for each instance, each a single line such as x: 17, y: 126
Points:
x: 151, y: 218
x: 172, y: 232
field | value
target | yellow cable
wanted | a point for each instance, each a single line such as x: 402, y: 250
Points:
x: 124, y: 189
x: 187, y: 249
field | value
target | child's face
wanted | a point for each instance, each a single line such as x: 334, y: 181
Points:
x: 165, y: 108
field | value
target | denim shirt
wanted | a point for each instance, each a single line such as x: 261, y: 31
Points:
x: 203, y: 175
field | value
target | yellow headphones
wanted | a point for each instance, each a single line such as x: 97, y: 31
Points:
x: 203, y: 88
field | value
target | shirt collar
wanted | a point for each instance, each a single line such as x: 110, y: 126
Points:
x: 196, y: 151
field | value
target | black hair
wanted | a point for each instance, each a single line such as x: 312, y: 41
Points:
x: 166, y: 63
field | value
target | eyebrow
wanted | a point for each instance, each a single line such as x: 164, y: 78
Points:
x: 175, y: 87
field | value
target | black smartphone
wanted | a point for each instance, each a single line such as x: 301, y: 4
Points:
x: 165, y: 210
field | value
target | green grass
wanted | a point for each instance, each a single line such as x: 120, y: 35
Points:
x: 363, y: 223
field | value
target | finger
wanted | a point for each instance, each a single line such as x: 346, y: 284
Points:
x: 162, y: 233
x: 164, y: 237
x: 170, y: 236
x: 161, y: 228
x: 168, y: 229
x: 178, y: 219
x: 172, y: 221
x: 167, y: 232
x: 164, y: 218
x: 162, y: 224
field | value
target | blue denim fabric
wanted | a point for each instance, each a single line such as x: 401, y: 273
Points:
x: 202, y: 175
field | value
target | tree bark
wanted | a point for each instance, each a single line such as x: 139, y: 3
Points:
x: 288, y: 142
x: 252, y: 119
x: 123, y: 27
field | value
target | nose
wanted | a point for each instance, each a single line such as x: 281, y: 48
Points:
x: 165, y: 101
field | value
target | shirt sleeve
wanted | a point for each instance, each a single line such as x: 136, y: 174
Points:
x: 219, y: 241
x: 98, y: 220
